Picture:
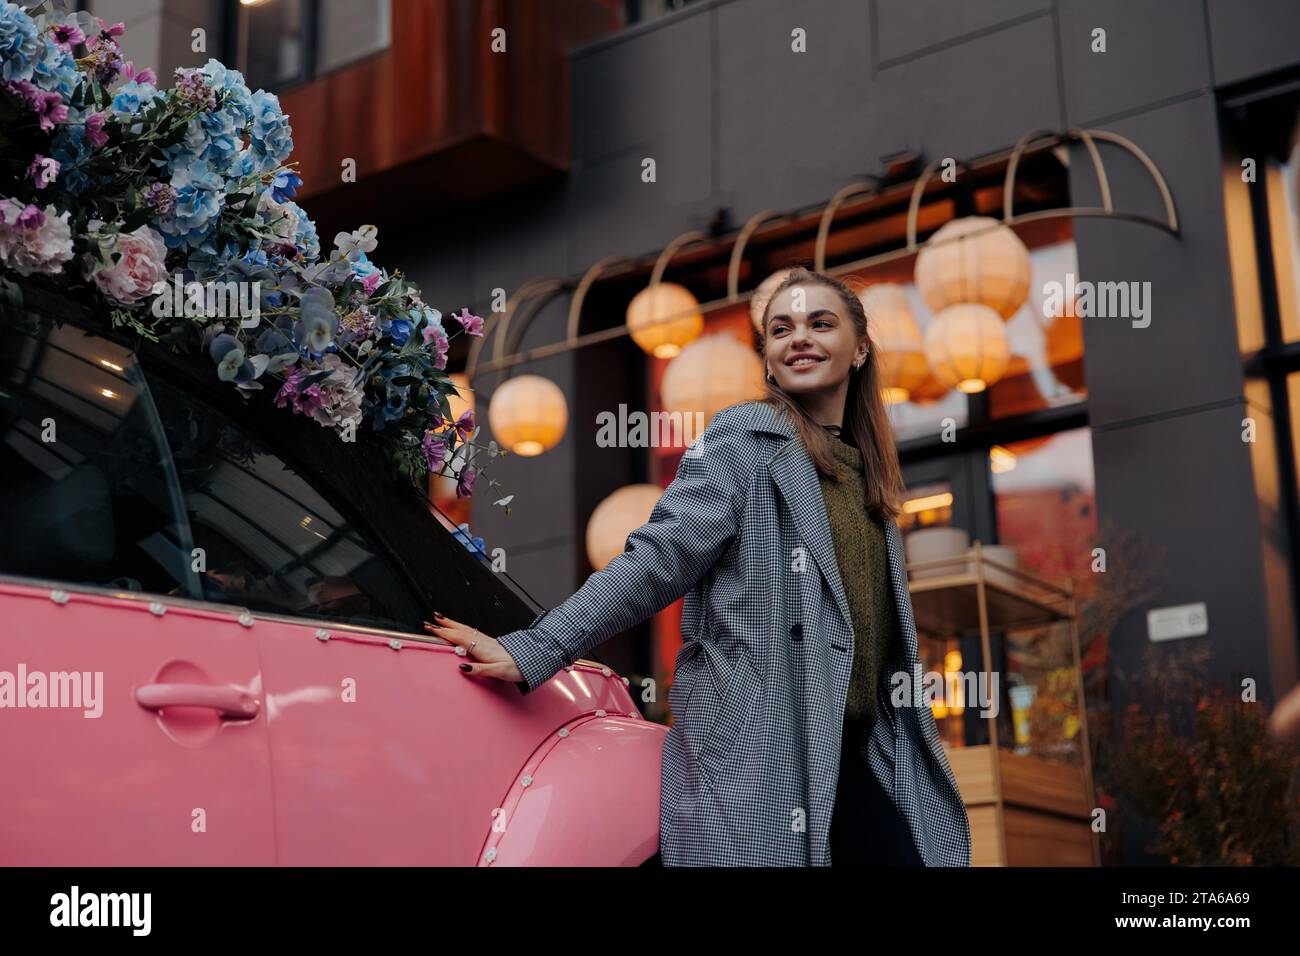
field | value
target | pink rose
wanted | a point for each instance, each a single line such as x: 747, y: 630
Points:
x: 132, y: 263
x: 34, y: 239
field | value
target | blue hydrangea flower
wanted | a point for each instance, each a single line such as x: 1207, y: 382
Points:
x: 69, y: 147
x: 305, y: 237
x: 231, y: 82
x: 200, y: 195
x: 396, y: 396
x: 54, y: 70
x: 132, y: 98
x: 362, y: 267
x: 269, y: 132
x: 476, y: 545
x: 244, y: 165
x: 20, y: 44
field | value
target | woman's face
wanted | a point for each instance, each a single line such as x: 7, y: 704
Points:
x: 810, y: 344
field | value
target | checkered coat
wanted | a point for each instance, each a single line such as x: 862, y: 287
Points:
x: 750, y: 766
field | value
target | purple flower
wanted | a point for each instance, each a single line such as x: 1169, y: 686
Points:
x: 106, y: 54
x: 464, y: 426
x: 472, y: 324
x: 433, y: 333
x: 95, y: 129
x: 116, y: 30
x: 67, y: 35
x: 434, y: 448
x: 192, y: 87
x: 43, y: 171
x: 160, y: 197
x: 48, y: 107
x: 132, y: 75
x: 307, y: 401
x: 29, y: 217
x: 465, y: 482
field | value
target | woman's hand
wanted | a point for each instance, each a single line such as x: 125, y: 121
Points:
x: 483, y: 655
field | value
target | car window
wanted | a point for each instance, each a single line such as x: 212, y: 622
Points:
x: 85, y: 491
x: 268, y: 540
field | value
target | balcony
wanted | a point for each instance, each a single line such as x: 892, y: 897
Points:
x: 439, y: 117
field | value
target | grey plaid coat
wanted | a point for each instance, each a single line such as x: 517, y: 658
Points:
x: 750, y: 766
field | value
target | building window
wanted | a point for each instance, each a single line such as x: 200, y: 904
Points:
x: 642, y: 11
x: 280, y: 43
x: 1262, y: 205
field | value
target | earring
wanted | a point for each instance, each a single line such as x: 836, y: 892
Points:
x: 769, y: 377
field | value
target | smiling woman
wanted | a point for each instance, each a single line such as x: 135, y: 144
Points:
x: 820, y: 366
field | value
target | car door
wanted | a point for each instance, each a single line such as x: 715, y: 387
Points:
x: 382, y: 752
x: 132, y: 726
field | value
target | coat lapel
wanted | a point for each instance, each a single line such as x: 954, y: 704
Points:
x: 796, y: 480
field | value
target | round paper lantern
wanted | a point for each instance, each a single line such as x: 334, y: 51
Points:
x: 615, y: 518
x: 763, y: 295
x: 528, y: 414
x: 711, y: 373
x: 897, y: 338
x: 991, y: 268
x: 929, y: 391
x: 651, y: 306
x: 1064, y: 339
x: 967, y: 346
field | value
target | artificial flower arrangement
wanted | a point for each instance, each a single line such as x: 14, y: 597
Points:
x: 112, y: 182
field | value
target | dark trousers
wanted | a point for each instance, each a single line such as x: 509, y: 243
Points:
x: 866, y: 827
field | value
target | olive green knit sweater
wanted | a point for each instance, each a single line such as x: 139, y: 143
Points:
x: 864, y: 569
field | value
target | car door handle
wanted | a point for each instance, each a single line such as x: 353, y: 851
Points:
x: 230, y: 701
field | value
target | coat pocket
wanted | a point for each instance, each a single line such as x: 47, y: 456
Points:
x: 734, y: 712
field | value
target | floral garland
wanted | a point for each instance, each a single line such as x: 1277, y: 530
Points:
x: 154, y: 198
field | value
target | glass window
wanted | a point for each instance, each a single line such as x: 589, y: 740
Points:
x: 1044, y: 497
x: 88, y: 496
x: 926, y: 506
x: 349, y: 30
x: 272, y: 42
x: 283, y: 42
x: 270, y: 541
x: 1283, y: 181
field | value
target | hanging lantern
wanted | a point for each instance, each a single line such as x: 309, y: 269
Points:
x: 929, y: 391
x: 1064, y: 340
x: 897, y: 338
x: 763, y: 295
x: 967, y: 346
x: 663, y: 318
x: 528, y: 414
x: 991, y: 268
x: 710, y: 374
x: 615, y: 518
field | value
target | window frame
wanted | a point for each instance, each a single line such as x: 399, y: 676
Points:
x: 1277, y: 359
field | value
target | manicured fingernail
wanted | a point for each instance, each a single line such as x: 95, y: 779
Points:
x: 465, y: 668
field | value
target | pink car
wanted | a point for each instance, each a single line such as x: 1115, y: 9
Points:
x: 211, y: 649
